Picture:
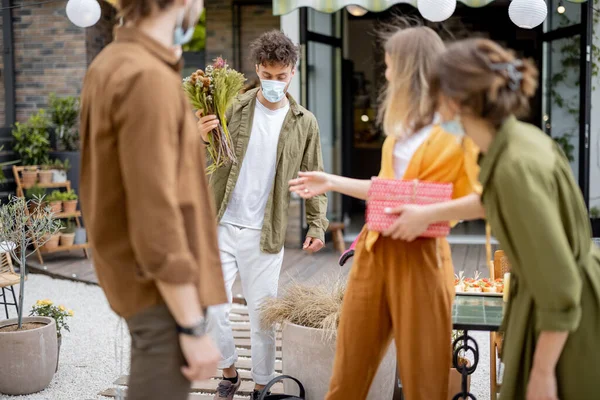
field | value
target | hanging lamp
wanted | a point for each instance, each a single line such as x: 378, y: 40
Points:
x: 528, y: 14
x: 436, y: 10
x: 83, y: 13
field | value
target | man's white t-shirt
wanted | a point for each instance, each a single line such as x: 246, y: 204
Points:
x: 248, y: 202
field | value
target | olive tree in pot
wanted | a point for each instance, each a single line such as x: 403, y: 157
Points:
x: 64, y: 112
x: 28, y: 346
x: 310, y: 316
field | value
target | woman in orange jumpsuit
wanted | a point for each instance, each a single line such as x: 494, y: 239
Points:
x: 398, y: 289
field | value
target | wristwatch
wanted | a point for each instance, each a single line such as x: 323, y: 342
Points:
x: 197, y: 330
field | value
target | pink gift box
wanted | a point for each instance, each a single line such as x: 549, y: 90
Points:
x: 391, y: 193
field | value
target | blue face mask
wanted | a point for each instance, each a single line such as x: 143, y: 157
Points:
x: 273, y: 91
x: 181, y: 36
x: 454, y: 127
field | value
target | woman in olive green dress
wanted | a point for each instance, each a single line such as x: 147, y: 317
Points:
x: 536, y: 210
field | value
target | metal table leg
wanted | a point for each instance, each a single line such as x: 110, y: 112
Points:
x: 461, y: 346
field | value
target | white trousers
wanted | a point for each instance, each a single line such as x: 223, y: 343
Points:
x: 259, y: 274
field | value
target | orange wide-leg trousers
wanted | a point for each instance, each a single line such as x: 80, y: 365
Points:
x: 400, y: 290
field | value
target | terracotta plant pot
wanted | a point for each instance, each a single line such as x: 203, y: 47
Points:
x: 52, y: 243
x: 308, y: 357
x: 56, y: 206
x: 33, y: 206
x: 29, y: 178
x: 28, y: 356
x: 45, y: 176
x: 70, y: 206
x: 67, y: 239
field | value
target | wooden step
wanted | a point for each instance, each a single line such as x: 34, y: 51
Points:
x: 246, y: 334
x: 248, y: 353
x: 208, y: 386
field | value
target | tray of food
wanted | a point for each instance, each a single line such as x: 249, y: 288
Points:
x: 477, y: 286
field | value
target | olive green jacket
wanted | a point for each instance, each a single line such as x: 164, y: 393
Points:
x: 299, y: 149
x: 537, y: 212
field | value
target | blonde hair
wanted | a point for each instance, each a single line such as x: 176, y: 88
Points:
x: 407, y: 104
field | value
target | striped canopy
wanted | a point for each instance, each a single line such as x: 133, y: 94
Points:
x: 281, y: 7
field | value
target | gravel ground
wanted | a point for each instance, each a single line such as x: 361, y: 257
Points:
x: 87, y: 356
x: 88, y: 362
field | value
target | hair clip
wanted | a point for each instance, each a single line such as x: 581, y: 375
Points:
x: 513, y: 73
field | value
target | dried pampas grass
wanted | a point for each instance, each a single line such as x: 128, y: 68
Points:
x: 316, y: 307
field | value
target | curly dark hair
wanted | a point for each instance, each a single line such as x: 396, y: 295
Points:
x: 274, y: 47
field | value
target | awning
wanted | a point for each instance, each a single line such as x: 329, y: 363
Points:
x: 281, y: 7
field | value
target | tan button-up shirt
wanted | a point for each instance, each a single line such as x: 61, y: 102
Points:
x: 145, y: 198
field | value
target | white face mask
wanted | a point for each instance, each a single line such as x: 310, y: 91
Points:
x: 181, y: 36
x: 454, y: 127
x: 273, y: 91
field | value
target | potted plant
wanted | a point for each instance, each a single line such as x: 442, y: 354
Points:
x: 31, y: 139
x: 70, y: 200
x: 309, y: 315
x: 52, y: 241
x: 595, y: 221
x: 28, y: 345
x: 35, y: 196
x: 67, y: 235
x: 59, y: 170
x: 55, y: 201
x: 64, y: 112
x: 45, y: 174
x: 29, y: 176
x: 46, y: 308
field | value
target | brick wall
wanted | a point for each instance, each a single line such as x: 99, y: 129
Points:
x: 52, y: 54
x: 256, y: 19
x: 101, y: 34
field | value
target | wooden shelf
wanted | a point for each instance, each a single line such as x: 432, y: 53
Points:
x: 62, y: 215
x: 58, y: 249
x: 51, y: 185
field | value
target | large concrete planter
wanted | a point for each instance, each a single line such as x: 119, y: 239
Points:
x: 309, y: 358
x: 27, y: 358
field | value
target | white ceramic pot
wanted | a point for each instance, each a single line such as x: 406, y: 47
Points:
x: 309, y: 358
x: 59, y: 176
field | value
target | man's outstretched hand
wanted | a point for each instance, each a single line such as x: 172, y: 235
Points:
x: 312, y: 245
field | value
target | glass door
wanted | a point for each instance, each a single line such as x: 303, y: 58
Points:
x: 320, y: 69
x: 566, y: 83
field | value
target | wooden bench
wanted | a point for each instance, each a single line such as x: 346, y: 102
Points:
x: 337, y: 233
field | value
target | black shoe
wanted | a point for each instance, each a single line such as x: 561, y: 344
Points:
x: 256, y: 394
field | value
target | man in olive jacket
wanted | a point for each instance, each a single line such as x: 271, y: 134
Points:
x: 273, y: 139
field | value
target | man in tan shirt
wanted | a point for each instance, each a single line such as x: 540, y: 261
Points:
x: 146, y: 202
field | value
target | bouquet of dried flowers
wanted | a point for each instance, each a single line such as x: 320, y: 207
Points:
x: 212, y: 92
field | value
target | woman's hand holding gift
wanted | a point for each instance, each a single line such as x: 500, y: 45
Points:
x: 413, y: 221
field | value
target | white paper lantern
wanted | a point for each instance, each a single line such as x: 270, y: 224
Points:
x: 528, y: 14
x: 357, y: 11
x: 83, y: 13
x: 436, y: 10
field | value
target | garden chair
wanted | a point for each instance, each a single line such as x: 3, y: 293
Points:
x: 8, y: 278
